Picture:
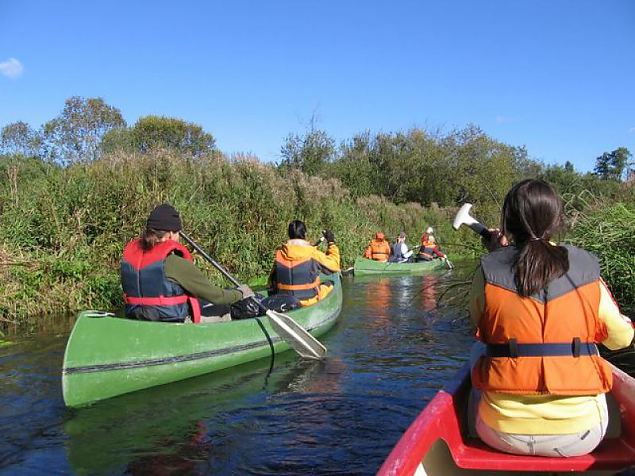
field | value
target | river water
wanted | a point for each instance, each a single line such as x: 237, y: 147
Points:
x: 390, y: 351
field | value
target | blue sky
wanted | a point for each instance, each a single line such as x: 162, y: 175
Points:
x: 557, y: 76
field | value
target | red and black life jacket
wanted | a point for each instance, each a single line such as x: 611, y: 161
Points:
x: 148, y: 293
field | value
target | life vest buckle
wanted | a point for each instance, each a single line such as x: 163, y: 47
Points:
x: 513, y: 348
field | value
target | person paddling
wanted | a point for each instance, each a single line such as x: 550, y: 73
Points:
x: 160, y: 281
x: 298, y: 264
x: 429, y: 249
x: 540, y: 309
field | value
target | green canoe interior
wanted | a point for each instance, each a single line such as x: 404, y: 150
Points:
x: 109, y: 356
x: 368, y: 266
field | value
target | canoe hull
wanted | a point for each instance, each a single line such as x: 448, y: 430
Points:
x: 365, y: 266
x: 437, y: 443
x: 110, y: 356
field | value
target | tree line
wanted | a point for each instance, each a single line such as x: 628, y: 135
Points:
x: 75, y: 190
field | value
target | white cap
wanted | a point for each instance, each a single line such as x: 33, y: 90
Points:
x: 429, y: 230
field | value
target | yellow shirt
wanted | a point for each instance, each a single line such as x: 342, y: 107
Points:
x: 548, y: 414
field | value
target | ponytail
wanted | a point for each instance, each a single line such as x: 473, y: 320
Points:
x: 532, y: 214
x: 539, y: 263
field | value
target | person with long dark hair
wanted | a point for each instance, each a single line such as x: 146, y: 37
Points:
x: 160, y: 281
x: 540, y: 309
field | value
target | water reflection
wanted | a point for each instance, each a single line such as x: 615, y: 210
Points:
x: 390, y: 351
x: 429, y: 292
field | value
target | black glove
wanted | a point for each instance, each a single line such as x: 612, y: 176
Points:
x: 329, y: 236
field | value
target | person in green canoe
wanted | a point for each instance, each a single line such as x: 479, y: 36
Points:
x: 160, y: 281
x: 298, y: 265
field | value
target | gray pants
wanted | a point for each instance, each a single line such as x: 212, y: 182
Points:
x: 571, y: 444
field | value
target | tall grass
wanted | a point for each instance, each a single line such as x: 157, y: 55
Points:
x: 609, y: 232
x: 62, y: 230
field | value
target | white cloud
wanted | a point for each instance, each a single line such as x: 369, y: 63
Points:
x: 11, y: 68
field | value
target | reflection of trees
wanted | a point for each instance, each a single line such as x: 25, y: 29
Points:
x: 171, y: 429
x: 189, y: 456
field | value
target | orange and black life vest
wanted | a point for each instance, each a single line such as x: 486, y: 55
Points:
x: 148, y: 293
x: 543, y: 344
x: 300, y: 278
x: 379, y: 250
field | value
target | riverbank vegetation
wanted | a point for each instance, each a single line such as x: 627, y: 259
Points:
x: 75, y: 191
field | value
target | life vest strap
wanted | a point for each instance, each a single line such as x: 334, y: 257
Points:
x: 155, y: 301
x: 299, y: 287
x: 512, y: 349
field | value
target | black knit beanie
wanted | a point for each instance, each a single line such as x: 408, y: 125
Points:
x: 165, y: 218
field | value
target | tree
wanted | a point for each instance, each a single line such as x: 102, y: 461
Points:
x: 309, y: 152
x: 18, y: 138
x: 76, y: 134
x: 611, y: 166
x: 152, y: 132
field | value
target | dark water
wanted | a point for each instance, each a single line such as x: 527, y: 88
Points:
x: 391, y: 350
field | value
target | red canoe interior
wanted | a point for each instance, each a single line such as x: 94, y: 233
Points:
x: 443, y: 419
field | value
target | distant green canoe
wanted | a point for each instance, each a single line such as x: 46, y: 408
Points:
x: 108, y: 356
x: 365, y: 266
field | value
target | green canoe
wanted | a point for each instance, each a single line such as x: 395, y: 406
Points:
x: 108, y: 356
x: 365, y: 266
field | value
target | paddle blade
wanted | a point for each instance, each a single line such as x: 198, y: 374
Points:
x: 296, y: 336
x: 463, y: 217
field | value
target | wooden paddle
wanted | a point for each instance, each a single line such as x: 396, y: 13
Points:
x: 293, y: 333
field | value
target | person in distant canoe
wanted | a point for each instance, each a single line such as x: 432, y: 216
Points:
x: 540, y: 309
x: 429, y: 249
x: 160, y: 281
x: 298, y: 264
x: 378, y: 249
x: 399, y: 251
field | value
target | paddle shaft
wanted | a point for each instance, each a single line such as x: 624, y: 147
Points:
x: 216, y: 265
x: 292, y: 332
x: 234, y: 281
x: 202, y: 252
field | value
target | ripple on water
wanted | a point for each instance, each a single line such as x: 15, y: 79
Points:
x: 389, y: 353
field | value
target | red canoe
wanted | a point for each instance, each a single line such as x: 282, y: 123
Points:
x: 436, y: 443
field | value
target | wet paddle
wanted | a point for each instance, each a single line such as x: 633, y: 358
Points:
x: 293, y: 333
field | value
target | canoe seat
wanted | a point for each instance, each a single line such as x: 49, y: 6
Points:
x: 615, y: 452
x: 611, y: 454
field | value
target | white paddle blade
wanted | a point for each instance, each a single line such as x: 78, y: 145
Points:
x: 296, y: 336
x: 463, y: 217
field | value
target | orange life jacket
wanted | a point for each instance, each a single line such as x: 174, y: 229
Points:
x: 379, y: 250
x: 543, y: 344
x: 300, y: 278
